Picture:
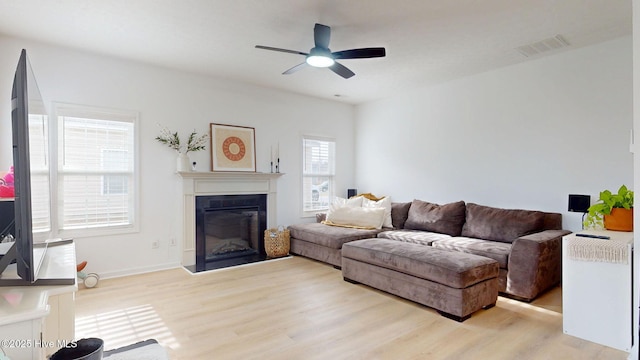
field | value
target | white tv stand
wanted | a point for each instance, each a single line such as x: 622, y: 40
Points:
x: 35, y: 321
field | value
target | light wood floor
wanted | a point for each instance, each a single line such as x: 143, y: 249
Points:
x: 296, y: 308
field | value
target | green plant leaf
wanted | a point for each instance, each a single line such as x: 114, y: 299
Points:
x: 606, y: 202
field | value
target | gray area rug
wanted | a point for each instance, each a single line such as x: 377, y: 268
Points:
x: 144, y: 350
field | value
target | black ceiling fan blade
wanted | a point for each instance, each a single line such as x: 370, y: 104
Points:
x: 322, y: 35
x: 295, y: 68
x: 280, y: 50
x: 341, y: 70
x: 360, y: 53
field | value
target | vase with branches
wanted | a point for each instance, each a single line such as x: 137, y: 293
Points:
x: 194, y: 142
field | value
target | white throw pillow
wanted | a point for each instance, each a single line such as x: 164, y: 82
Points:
x: 352, y: 202
x: 384, y: 203
x: 339, y: 202
x: 371, y: 217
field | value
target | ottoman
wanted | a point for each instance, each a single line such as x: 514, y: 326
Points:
x: 456, y: 284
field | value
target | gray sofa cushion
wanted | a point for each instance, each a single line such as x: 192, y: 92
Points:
x: 329, y: 236
x: 552, y: 221
x: 497, y: 251
x: 445, y: 219
x: 455, y: 269
x: 413, y: 236
x: 399, y: 214
x: 505, y: 225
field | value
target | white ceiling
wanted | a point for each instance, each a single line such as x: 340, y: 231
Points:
x: 427, y: 41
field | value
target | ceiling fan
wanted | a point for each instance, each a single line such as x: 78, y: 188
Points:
x: 321, y: 56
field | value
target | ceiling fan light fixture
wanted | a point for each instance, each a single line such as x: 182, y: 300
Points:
x: 321, y: 56
x: 320, y: 61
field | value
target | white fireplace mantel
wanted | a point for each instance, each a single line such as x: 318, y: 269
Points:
x: 221, y: 183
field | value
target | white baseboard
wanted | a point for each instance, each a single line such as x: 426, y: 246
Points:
x: 167, y: 266
x: 139, y: 270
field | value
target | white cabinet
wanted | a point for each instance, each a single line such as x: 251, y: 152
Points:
x: 21, y: 323
x: 35, y: 321
x: 597, y: 300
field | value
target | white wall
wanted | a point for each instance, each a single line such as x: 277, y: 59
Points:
x: 523, y: 136
x: 182, y: 102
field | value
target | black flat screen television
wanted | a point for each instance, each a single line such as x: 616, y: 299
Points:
x: 26, y: 254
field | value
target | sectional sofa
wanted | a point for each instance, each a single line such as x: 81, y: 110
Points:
x: 526, y: 244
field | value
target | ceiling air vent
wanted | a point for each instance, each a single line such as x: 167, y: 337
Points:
x: 550, y: 44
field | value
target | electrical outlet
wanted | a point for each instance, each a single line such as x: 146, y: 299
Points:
x: 155, y: 244
x: 172, y: 241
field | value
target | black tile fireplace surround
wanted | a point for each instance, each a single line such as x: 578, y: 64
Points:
x: 229, y: 230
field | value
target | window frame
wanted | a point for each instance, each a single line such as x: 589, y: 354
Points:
x: 56, y: 128
x: 331, y: 174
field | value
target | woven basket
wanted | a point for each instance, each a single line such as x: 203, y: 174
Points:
x: 276, y: 242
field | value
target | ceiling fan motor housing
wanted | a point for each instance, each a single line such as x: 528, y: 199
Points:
x: 320, y: 57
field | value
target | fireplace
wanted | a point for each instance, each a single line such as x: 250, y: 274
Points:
x: 201, y: 185
x: 229, y: 230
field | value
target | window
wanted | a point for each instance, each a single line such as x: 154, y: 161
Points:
x: 114, y: 184
x: 96, y: 168
x: 39, y: 166
x: 318, y: 171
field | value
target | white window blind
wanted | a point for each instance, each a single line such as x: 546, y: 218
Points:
x: 96, y: 167
x: 39, y: 167
x: 318, y: 173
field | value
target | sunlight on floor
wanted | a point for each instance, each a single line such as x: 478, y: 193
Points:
x: 515, y: 304
x: 126, y: 326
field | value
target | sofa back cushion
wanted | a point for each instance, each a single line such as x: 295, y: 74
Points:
x: 445, y: 219
x: 399, y: 214
x: 504, y: 225
x: 552, y: 221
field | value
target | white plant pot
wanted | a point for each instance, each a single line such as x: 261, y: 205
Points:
x: 183, y: 163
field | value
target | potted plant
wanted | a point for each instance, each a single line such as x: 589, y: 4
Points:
x: 613, y: 211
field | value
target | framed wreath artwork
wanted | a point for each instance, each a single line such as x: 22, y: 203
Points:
x: 233, y: 148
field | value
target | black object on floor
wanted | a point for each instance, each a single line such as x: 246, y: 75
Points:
x: 83, y: 349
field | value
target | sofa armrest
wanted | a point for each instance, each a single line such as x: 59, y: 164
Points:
x: 535, y: 263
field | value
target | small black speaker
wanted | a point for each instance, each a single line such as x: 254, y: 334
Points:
x: 351, y: 192
x: 579, y: 203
